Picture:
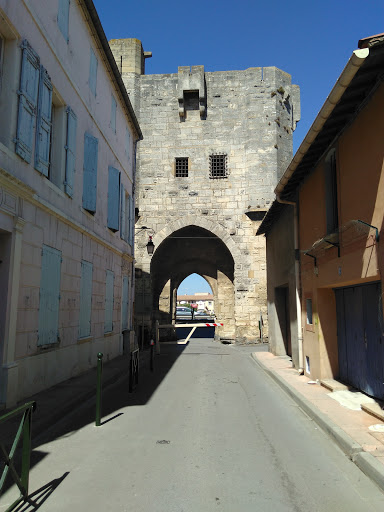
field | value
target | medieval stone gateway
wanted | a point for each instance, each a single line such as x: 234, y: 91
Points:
x: 214, y: 146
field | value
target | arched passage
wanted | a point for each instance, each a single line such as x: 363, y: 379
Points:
x: 188, y: 250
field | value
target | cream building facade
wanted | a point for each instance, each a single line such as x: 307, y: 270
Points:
x: 67, y: 161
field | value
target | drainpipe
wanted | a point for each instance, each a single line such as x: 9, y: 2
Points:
x: 297, y: 282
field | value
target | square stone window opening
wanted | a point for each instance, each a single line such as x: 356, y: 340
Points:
x: 218, y: 166
x: 191, y: 100
x: 181, y: 167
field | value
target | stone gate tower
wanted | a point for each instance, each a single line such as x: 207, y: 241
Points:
x: 214, y: 147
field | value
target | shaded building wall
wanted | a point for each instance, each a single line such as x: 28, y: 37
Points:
x: 281, y: 291
x: 360, y: 196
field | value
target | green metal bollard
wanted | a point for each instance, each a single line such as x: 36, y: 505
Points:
x: 98, y: 387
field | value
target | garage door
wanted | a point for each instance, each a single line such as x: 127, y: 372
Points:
x: 360, y: 337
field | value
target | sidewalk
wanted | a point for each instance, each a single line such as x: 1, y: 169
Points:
x: 349, y: 428
x: 56, y: 402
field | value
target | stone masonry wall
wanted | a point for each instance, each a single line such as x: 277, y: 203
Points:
x: 249, y: 116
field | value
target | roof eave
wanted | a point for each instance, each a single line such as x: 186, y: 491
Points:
x: 353, y: 65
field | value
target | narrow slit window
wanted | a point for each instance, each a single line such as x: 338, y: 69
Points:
x: 218, y: 166
x: 181, y: 168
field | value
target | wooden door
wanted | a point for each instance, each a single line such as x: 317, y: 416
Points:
x: 360, y: 337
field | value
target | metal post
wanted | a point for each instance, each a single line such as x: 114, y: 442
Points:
x: 152, y: 355
x: 142, y: 313
x: 26, y: 451
x: 157, y: 337
x: 98, y: 387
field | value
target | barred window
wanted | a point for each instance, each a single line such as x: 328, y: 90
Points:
x: 181, y: 166
x: 218, y: 166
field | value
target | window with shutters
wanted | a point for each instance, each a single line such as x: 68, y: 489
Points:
x: 85, y: 299
x: 49, y: 296
x: 127, y: 217
x: 63, y: 18
x: 113, y: 199
x: 42, y: 120
x: 93, y: 72
x: 43, y: 123
x: 131, y: 219
x: 124, y: 202
x: 90, y: 173
x: 28, y: 102
x: 125, y: 304
x: 109, y: 282
x: 113, y: 113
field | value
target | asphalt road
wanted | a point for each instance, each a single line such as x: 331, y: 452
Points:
x: 208, y: 431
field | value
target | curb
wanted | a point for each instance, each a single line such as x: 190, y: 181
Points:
x: 366, y: 462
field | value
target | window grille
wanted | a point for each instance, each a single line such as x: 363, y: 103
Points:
x: 181, y: 167
x: 218, y: 166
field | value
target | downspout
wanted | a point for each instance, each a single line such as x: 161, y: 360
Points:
x: 297, y: 281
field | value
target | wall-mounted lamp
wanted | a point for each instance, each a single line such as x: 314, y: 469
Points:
x: 150, y: 245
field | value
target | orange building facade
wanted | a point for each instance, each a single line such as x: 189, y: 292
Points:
x: 335, y: 186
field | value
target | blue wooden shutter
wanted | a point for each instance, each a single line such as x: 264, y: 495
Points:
x: 123, y: 219
x: 113, y: 114
x: 93, y: 72
x: 63, y: 17
x: 113, y: 198
x: 85, y: 299
x: 90, y: 172
x: 70, y: 151
x: 108, y: 326
x: 49, y: 295
x: 131, y: 219
x: 124, y: 303
x: 44, y: 124
x: 28, y: 93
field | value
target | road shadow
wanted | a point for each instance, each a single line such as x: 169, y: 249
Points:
x: 114, y: 397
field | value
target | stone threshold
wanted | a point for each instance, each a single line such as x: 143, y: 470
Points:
x: 374, y: 409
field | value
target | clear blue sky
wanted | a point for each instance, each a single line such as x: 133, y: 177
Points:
x: 310, y: 39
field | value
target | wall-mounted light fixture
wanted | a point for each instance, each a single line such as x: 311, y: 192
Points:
x: 150, y: 245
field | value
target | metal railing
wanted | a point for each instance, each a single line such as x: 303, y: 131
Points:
x: 24, y: 431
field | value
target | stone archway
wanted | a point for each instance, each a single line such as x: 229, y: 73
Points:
x: 187, y: 250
